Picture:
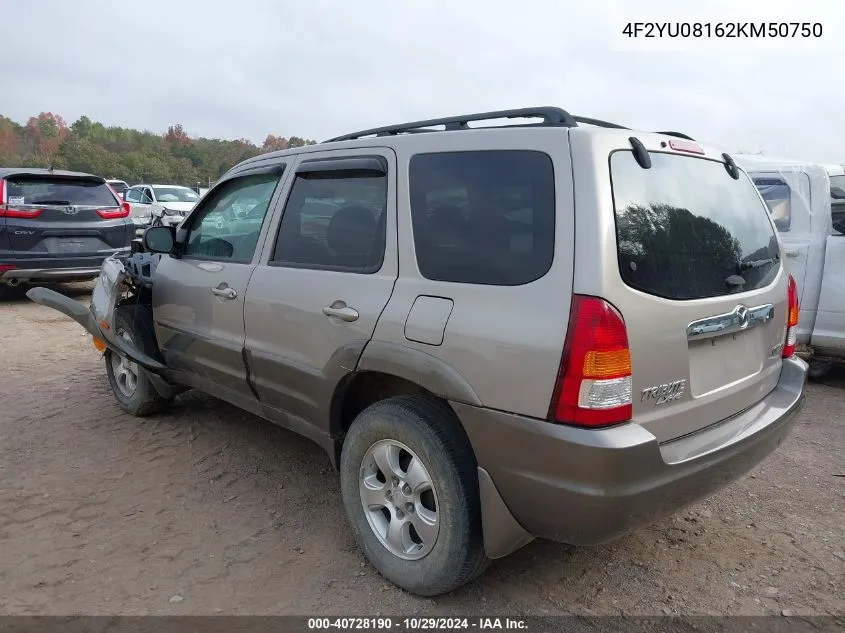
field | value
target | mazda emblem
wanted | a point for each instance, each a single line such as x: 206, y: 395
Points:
x: 741, y: 315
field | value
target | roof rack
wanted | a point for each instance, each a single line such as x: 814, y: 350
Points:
x: 551, y: 117
x: 678, y: 134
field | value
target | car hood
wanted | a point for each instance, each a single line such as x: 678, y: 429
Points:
x: 177, y: 206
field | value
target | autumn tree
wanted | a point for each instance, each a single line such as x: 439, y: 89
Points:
x: 9, y: 145
x: 176, y: 134
x: 274, y: 143
x: 46, y: 132
x: 125, y: 153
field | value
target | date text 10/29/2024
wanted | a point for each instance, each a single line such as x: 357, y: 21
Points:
x: 727, y: 30
x: 417, y: 624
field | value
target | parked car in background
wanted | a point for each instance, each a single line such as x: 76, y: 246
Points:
x: 591, y: 332
x: 160, y: 205
x: 58, y: 225
x: 807, y: 203
x: 119, y: 186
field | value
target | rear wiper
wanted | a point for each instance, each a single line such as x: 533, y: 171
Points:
x: 756, y: 263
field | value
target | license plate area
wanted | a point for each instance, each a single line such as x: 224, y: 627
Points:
x: 725, y: 360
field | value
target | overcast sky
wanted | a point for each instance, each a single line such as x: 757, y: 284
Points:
x: 318, y: 68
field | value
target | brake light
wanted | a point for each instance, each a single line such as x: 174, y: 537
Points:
x: 594, y: 381
x: 27, y: 214
x: 6, y: 212
x: 685, y: 146
x: 791, y: 319
x: 112, y: 214
x: 4, y: 268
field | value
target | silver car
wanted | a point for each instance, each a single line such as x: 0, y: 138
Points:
x: 564, y: 329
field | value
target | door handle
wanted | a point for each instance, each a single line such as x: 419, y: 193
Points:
x: 342, y: 311
x: 225, y: 293
x: 792, y: 254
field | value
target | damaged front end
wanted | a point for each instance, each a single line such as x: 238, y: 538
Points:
x: 124, y: 279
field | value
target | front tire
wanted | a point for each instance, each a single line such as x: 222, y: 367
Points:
x: 132, y: 389
x: 410, y: 490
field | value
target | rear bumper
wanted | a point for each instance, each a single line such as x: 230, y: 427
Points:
x: 55, y: 269
x: 587, y: 487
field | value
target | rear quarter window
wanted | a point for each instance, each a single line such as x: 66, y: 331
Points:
x: 483, y: 217
x: 778, y: 197
x: 686, y: 230
x: 55, y: 191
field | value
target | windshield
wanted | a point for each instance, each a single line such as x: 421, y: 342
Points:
x: 686, y: 230
x: 175, y: 194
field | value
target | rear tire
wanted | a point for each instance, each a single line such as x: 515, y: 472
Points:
x: 132, y: 389
x: 414, y: 438
x: 819, y: 369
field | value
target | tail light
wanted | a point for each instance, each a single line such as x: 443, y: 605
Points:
x: 112, y: 214
x: 791, y: 319
x: 6, y: 212
x: 594, y: 381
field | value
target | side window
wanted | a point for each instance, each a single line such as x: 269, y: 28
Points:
x: 227, y: 225
x: 837, y: 203
x: 133, y: 195
x: 483, y: 217
x: 778, y: 197
x: 335, y: 219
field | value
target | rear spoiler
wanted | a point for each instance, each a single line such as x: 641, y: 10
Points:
x: 28, y: 175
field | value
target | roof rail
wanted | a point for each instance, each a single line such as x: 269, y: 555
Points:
x: 551, y: 116
x: 600, y: 123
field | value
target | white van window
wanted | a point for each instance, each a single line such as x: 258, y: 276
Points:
x: 777, y: 195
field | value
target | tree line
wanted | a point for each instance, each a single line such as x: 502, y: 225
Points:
x: 127, y: 154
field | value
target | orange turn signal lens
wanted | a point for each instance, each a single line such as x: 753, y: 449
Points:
x: 98, y: 344
x: 613, y: 364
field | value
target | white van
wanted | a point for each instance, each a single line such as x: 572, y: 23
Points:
x: 807, y: 203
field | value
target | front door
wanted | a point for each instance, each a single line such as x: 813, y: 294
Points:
x: 198, y: 298
x: 326, y: 275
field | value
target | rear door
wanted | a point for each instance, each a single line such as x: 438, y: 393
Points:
x: 691, y: 259
x: 829, y: 331
x: 61, y: 215
x: 313, y: 303
x: 788, y: 197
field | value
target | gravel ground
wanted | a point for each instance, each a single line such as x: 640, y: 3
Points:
x: 207, y: 510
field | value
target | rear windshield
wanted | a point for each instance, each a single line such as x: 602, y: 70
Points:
x: 58, y: 191
x: 686, y: 230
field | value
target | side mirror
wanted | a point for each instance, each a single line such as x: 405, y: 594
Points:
x: 159, y: 239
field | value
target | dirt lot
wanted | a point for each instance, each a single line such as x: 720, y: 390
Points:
x: 206, y: 509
